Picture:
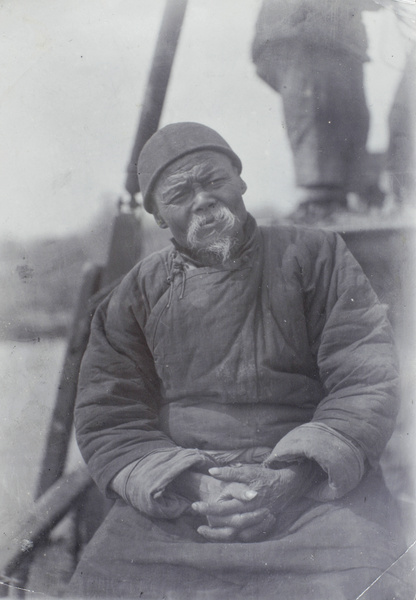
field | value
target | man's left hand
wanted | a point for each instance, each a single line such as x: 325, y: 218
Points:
x: 276, y: 489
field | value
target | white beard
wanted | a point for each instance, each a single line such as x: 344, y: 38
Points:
x: 222, y: 241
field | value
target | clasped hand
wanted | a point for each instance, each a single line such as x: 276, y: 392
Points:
x: 241, y: 502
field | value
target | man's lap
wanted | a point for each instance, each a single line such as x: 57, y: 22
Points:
x: 333, y: 550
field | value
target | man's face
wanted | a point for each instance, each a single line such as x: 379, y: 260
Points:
x: 199, y: 197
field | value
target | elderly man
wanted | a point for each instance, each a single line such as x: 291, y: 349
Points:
x: 238, y: 389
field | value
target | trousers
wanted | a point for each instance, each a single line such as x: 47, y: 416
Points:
x: 325, y: 111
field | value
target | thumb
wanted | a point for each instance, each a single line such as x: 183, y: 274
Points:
x: 240, y: 492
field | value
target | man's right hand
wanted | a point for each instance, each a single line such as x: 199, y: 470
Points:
x: 250, y: 512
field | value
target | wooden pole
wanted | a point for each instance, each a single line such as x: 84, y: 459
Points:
x: 60, y: 430
x: 157, y: 84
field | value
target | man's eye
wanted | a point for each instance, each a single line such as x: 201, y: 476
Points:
x: 178, y: 198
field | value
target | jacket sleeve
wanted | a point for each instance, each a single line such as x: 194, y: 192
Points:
x: 352, y: 340
x: 116, y: 413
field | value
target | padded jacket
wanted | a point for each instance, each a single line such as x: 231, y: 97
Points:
x: 283, y: 351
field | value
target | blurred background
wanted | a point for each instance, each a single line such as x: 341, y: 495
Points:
x: 72, y: 83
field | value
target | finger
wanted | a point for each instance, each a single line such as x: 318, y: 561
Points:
x: 240, y: 521
x: 230, y: 474
x: 258, y: 531
x: 226, y: 507
x: 217, y: 534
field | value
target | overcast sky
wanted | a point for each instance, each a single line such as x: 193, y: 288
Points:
x: 72, y: 78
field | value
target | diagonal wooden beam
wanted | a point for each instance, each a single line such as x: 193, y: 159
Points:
x: 46, y: 512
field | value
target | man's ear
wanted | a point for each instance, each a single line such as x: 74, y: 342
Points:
x: 160, y: 222
x: 156, y: 214
x: 243, y: 186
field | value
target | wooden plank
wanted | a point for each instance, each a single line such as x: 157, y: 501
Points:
x: 62, y: 418
x: 125, y: 248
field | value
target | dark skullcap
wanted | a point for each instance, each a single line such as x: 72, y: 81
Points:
x: 170, y: 143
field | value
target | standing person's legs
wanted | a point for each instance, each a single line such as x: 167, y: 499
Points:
x: 327, y: 121
x: 401, y: 153
x: 326, y: 116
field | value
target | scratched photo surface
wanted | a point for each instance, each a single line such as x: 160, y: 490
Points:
x: 74, y: 88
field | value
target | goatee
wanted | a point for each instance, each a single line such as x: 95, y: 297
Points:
x: 217, y: 250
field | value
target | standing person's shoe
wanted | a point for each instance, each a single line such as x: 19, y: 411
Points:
x: 319, y: 206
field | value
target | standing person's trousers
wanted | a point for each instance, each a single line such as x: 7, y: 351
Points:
x: 325, y: 110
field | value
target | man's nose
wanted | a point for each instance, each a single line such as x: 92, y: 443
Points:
x: 202, y: 201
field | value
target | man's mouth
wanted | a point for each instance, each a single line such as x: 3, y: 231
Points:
x: 209, y: 221
x: 207, y: 230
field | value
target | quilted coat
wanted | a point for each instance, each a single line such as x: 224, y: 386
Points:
x: 285, y: 348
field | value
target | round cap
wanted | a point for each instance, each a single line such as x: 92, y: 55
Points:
x: 170, y: 143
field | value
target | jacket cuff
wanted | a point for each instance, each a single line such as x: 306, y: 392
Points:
x: 338, y: 456
x: 144, y: 483
x: 118, y: 484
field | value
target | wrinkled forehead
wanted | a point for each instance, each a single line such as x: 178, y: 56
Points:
x: 194, y: 165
